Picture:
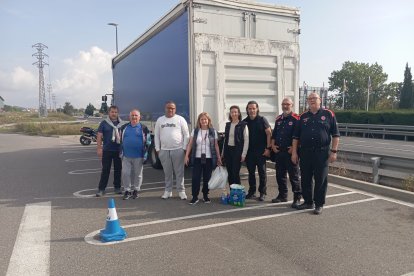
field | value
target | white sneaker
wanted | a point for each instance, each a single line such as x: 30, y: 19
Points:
x: 182, y: 195
x: 166, y: 195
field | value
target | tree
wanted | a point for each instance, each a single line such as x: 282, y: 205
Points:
x: 407, y: 97
x: 389, y: 96
x: 89, y: 109
x: 104, y: 108
x: 356, y: 76
x: 68, y: 109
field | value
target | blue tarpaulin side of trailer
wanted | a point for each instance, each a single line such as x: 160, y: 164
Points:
x: 154, y: 73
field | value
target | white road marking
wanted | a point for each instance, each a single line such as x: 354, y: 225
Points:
x: 78, y: 151
x: 97, y: 170
x: 90, y: 237
x: 79, y: 193
x: 82, y: 159
x: 31, y: 252
x: 374, y: 195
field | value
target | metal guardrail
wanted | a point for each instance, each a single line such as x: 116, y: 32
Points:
x: 387, y: 170
x: 379, y: 130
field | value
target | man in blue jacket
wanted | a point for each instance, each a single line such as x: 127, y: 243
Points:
x: 134, y: 139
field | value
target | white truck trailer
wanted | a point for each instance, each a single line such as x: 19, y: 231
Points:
x: 206, y: 55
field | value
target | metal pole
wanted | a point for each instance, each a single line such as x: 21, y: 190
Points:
x: 116, y: 34
x: 369, y: 85
x: 116, y: 37
x: 343, y: 95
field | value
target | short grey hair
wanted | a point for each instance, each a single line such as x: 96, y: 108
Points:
x: 288, y: 99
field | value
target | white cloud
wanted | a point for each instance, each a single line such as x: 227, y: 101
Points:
x: 18, y: 87
x: 85, y: 79
x: 79, y: 80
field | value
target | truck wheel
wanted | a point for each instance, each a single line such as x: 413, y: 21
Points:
x: 155, y: 161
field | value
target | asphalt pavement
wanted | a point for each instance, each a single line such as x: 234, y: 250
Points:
x: 395, y: 148
x: 47, y: 189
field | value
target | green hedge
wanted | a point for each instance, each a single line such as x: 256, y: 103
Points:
x: 387, y: 117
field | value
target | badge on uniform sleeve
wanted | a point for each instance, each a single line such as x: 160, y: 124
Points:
x: 323, y: 118
x: 278, y: 123
x: 290, y: 123
x: 305, y: 120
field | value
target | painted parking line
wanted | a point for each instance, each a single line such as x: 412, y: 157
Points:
x: 96, y: 170
x: 374, y: 195
x: 79, y: 193
x: 90, y: 238
x: 79, y: 151
x: 31, y: 252
x: 82, y: 159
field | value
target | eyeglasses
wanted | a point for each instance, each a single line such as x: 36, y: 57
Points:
x: 313, y: 98
x: 286, y: 104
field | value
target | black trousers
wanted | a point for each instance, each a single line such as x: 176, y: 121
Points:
x: 198, y: 170
x: 233, y: 165
x: 314, y: 164
x: 285, y: 166
x: 107, y: 158
x: 254, y: 160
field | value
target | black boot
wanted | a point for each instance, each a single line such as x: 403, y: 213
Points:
x: 296, y: 200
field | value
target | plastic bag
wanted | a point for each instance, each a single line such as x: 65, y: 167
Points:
x: 218, y: 178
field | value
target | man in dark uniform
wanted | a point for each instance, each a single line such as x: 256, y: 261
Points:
x: 259, y: 148
x: 282, y: 147
x: 313, y: 133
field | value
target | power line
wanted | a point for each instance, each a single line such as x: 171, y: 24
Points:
x: 40, y: 63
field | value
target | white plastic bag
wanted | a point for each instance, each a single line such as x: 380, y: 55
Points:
x: 218, y: 178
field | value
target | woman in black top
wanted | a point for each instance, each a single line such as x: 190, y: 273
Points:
x: 235, y: 145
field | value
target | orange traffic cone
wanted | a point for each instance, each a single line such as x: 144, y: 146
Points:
x: 113, y: 230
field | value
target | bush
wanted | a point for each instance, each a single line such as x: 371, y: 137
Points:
x: 386, y: 117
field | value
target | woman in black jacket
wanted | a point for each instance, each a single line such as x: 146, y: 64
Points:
x: 236, y: 144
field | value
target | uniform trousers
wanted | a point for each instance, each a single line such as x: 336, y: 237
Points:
x: 285, y: 166
x: 314, y: 165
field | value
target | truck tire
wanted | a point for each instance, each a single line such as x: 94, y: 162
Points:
x: 155, y: 161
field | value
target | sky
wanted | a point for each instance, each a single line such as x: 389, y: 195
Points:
x: 81, y: 44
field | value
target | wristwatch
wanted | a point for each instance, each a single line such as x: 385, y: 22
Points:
x: 334, y: 151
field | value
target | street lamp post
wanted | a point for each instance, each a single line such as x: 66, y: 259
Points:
x: 116, y: 34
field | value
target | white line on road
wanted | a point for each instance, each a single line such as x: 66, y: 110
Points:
x: 374, y: 195
x: 79, y: 193
x: 97, y: 170
x: 31, y: 252
x: 79, y: 151
x: 91, y: 240
x: 82, y: 159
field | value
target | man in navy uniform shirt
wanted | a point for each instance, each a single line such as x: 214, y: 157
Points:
x: 282, y: 147
x: 313, y: 133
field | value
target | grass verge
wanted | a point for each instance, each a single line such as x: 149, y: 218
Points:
x: 45, y: 129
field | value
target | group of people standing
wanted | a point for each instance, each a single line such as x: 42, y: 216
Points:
x: 250, y: 140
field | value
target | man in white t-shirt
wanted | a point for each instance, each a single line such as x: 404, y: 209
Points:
x: 171, y: 138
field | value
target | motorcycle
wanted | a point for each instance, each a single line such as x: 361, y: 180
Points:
x: 88, y: 136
